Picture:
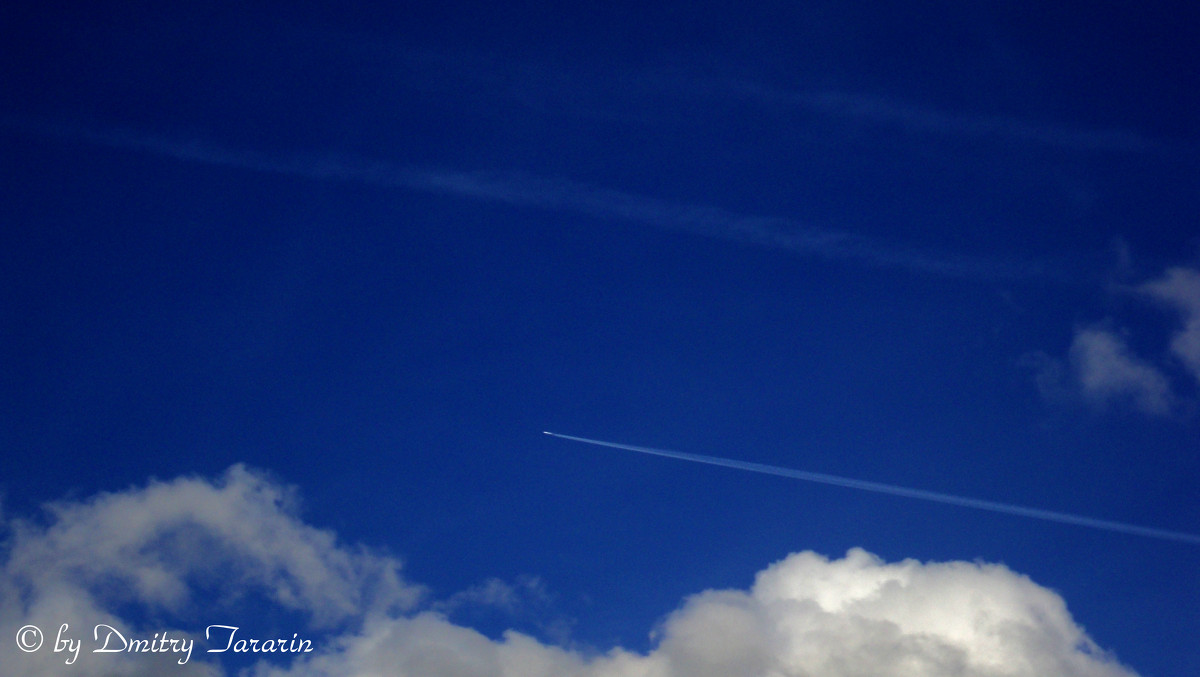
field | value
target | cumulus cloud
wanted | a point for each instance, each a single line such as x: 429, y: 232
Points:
x: 154, y: 547
x: 805, y: 615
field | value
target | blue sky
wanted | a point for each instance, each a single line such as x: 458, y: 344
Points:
x: 292, y: 292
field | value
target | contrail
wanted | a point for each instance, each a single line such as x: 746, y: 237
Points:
x: 564, y: 195
x: 993, y: 506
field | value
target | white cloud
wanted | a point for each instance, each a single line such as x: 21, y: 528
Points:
x: 1102, y: 370
x: 151, y: 547
x: 1180, y: 289
x: 1106, y: 371
x: 805, y: 615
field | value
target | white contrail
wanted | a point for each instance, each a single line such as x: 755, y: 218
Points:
x: 1006, y: 508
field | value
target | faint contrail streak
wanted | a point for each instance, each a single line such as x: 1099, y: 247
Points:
x: 567, y: 196
x: 1006, y: 508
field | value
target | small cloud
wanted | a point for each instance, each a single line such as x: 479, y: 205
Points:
x: 1106, y: 371
x: 496, y: 594
x: 1101, y: 369
x: 1101, y: 372
x: 497, y: 605
x: 1179, y: 288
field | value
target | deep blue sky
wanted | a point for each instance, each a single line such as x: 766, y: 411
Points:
x: 376, y: 252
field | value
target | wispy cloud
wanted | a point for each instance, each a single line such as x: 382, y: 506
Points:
x: 624, y: 95
x: 1179, y: 288
x: 497, y: 594
x: 111, y: 558
x: 892, y: 113
x: 563, y: 195
x: 1106, y: 371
